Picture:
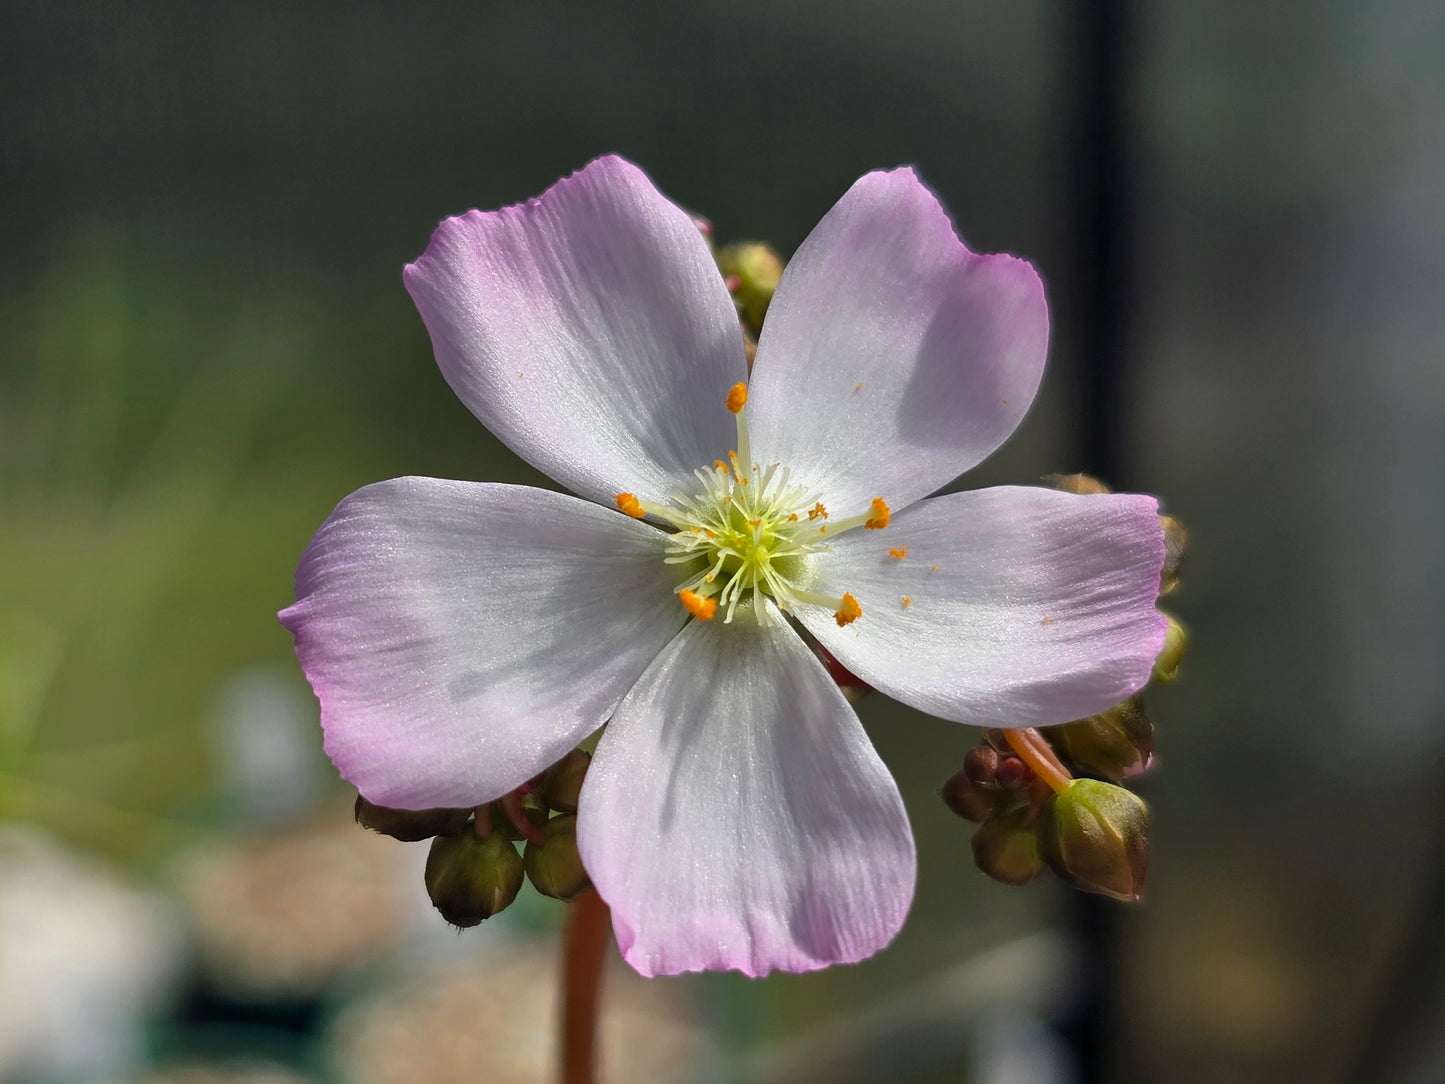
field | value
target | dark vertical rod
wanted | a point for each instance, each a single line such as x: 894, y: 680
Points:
x: 1100, y: 196
x: 1102, y: 192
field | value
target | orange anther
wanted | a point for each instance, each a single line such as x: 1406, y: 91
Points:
x: 737, y: 397
x: 849, y: 612
x: 880, y: 517
x: 817, y: 510
x: 701, y: 608
x: 630, y: 505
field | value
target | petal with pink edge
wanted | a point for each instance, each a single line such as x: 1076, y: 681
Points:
x: 462, y: 636
x: 589, y: 329
x: 1011, y: 607
x: 736, y: 816
x: 893, y: 358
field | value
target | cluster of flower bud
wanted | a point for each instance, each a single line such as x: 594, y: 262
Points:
x: 473, y: 870
x: 1092, y: 832
x: 1056, y: 797
x: 751, y: 271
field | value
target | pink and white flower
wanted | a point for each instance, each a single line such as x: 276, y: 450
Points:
x: 462, y: 636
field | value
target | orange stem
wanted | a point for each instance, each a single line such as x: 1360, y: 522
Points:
x: 584, y: 945
x: 511, y: 804
x: 1034, y: 751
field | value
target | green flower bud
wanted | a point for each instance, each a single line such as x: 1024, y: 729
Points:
x: 469, y: 879
x: 555, y: 867
x: 534, y: 808
x: 1096, y: 837
x: 1114, y: 744
x: 1076, y: 483
x: 1166, y: 665
x: 1176, y: 541
x: 988, y: 785
x: 753, y: 270
x: 410, y: 825
x: 1007, y: 849
x: 563, y: 781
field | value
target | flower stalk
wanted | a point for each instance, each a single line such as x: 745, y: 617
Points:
x: 584, y: 947
x: 1034, y: 751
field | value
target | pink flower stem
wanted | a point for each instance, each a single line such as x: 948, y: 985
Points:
x: 482, y: 821
x: 511, y: 804
x: 1034, y: 751
x: 584, y: 944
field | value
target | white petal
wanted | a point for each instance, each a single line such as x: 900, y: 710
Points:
x: 463, y: 636
x: 590, y: 330
x: 1024, y: 607
x: 893, y: 358
x: 736, y: 815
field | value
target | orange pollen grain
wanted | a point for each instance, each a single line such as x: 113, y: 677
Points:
x: 901, y: 552
x: 719, y: 464
x: 630, y: 505
x: 817, y: 510
x: 849, y: 612
x: 737, y: 397
x: 880, y: 517
x: 907, y: 602
x: 701, y: 608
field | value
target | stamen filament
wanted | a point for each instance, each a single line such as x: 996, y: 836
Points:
x: 875, y: 519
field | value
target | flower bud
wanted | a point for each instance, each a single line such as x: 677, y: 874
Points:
x: 1166, y: 664
x: 410, y: 825
x: 1076, y: 483
x: 469, y: 879
x: 1114, y: 744
x: 988, y: 785
x: 1007, y: 849
x: 1176, y: 541
x: 995, y: 738
x: 532, y: 806
x: 1096, y: 837
x: 753, y: 270
x: 563, y: 781
x: 555, y: 867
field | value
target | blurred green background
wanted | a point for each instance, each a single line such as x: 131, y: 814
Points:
x: 204, y: 345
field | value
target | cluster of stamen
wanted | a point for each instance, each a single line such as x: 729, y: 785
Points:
x: 750, y: 531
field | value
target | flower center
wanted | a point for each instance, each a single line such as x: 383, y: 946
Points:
x: 750, y: 531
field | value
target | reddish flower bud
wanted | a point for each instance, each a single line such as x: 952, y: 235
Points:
x: 410, y: 825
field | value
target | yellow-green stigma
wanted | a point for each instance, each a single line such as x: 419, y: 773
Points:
x: 751, y: 532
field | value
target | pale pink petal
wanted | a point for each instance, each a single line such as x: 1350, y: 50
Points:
x: 462, y: 636
x: 892, y: 358
x: 1013, y: 607
x: 589, y: 329
x: 736, y: 815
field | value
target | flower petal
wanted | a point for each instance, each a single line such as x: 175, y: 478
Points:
x: 463, y: 636
x: 1024, y: 607
x: 589, y: 329
x: 893, y: 358
x: 736, y: 815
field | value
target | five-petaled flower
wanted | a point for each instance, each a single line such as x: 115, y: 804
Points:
x: 462, y: 636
